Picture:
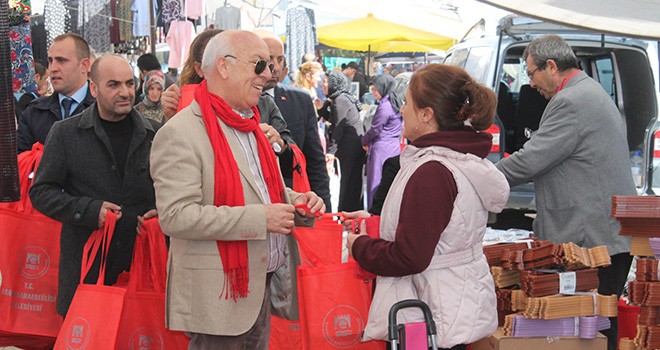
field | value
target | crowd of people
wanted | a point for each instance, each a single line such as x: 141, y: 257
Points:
x: 212, y: 156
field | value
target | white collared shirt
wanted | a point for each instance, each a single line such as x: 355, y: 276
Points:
x: 248, y: 142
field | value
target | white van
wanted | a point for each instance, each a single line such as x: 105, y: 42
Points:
x: 621, y: 65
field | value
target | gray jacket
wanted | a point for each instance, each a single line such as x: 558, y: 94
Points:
x: 578, y: 159
x: 76, y: 174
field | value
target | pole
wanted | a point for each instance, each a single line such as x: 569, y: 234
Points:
x: 10, y: 187
x: 152, y: 27
x: 369, y: 64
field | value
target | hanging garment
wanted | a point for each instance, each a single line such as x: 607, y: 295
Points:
x: 171, y: 10
x: 56, y: 19
x: 114, y: 26
x: 38, y: 33
x: 96, y: 25
x: 194, y: 8
x: 21, y: 47
x: 179, y: 38
x: 125, y: 26
x: 141, y: 18
x: 300, y: 34
x: 73, y: 7
x: 228, y: 17
x: 21, y: 58
x: 87, y: 9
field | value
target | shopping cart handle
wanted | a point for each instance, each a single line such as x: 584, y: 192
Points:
x: 428, y: 317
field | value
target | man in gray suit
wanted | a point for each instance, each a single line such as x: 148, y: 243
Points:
x: 578, y: 159
x: 221, y: 199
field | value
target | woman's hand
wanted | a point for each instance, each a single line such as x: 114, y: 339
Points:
x: 350, y: 239
x: 350, y: 217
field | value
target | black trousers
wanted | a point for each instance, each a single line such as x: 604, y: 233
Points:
x: 611, y: 280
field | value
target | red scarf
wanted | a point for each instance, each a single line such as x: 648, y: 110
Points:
x: 228, y: 189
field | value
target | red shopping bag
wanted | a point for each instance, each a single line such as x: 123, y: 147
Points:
x: 29, y: 261
x: 334, y: 306
x: 324, y: 240
x: 284, y: 334
x: 143, y: 320
x: 92, y: 321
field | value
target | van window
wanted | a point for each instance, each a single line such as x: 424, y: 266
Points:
x: 478, y: 63
x: 515, y: 75
x: 606, y: 76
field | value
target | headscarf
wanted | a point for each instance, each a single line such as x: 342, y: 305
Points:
x: 337, y: 85
x: 383, y: 83
x: 388, y: 86
x: 152, y: 77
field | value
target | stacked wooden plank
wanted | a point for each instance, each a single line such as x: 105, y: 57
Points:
x: 529, y: 275
x: 640, y: 218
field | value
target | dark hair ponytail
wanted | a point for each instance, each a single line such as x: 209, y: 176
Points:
x: 479, y: 107
x: 454, y: 97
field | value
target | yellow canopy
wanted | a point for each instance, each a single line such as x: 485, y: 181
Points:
x: 372, y: 34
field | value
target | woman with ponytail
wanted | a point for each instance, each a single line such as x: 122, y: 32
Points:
x: 435, y: 214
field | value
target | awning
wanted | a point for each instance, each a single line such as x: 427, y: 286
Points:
x: 373, y: 34
x: 630, y: 18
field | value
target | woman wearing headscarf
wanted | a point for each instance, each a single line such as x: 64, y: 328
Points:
x: 150, y: 107
x: 383, y: 140
x: 346, y: 131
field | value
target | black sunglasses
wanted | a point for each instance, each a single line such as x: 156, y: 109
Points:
x: 259, y: 66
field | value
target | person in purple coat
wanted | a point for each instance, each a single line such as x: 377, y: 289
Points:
x: 383, y: 140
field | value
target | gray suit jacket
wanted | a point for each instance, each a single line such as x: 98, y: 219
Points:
x: 578, y: 159
x: 183, y: 173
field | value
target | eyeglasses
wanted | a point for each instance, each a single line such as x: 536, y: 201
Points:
x: 531, y: 74
x: 259, y: 65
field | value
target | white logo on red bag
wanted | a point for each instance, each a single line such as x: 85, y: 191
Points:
x: 146, y: 338
x: 34, y: 262
x: 78, y: 335
x: 342, y: 326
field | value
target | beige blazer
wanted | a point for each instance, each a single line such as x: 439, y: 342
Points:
x: 182, y: 168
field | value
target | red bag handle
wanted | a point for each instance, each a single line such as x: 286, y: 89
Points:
x: 149, y: 266
x: 28, y: 162
x: 100, y: 238
x: 305, y: 248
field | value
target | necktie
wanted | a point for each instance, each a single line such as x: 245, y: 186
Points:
x: 66, y: 104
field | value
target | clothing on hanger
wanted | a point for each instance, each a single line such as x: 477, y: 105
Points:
x: 228, y: 17
x: 171, y: 10
x: 301, y: 35
x: 194, y: 8
x: 179, y: 38
x: 56, y: 19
